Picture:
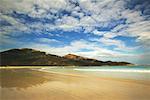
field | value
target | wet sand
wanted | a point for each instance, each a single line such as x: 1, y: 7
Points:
x: 26, y: 84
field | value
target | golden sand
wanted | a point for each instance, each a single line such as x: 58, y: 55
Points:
x: 55, y: 86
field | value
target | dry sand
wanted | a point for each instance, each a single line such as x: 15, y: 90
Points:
x: 79, y: 87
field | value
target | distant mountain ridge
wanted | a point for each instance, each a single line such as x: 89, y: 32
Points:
x: 31, y: 57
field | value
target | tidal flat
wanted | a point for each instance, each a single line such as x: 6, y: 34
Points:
x: 35, y: 84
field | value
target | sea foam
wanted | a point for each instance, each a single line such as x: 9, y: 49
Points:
x: 115, y: 70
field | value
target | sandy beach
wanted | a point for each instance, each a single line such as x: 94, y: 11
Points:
x: 56, y: 86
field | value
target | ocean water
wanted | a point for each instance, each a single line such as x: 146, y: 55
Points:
x: 126, y: 72
x: 136, y: 69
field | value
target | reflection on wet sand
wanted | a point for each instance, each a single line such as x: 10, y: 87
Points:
x: 27, y: 84
x: 22, y: 78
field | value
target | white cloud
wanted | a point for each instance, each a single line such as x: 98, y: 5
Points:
x: 91, y: 16
x: 77, y: 13
x: 103, y: 11
x: 16, y: 25
x: 47, y: 40
x: 55, y: 4
x: 132, y: 16
x: 96, y: 51
x: 120, y: 45
x: 96, y: 32
x: 67, y: 23
x: 87, y: 21
x: 74, y: 47
x: 108, y: 41
x: 140, y: 30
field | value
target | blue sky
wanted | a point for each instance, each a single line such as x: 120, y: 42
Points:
x: 117, y: 30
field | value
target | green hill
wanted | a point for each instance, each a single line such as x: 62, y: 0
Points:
x: 30, y: 57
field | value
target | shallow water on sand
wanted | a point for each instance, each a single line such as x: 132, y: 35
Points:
x: 69, y: 84
x: 126, y: 72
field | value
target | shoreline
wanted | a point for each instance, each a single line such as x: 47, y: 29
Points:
x: 83, y: 75
x: 64, y: 86
x: 115, y: 70
x: 61, y: 66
